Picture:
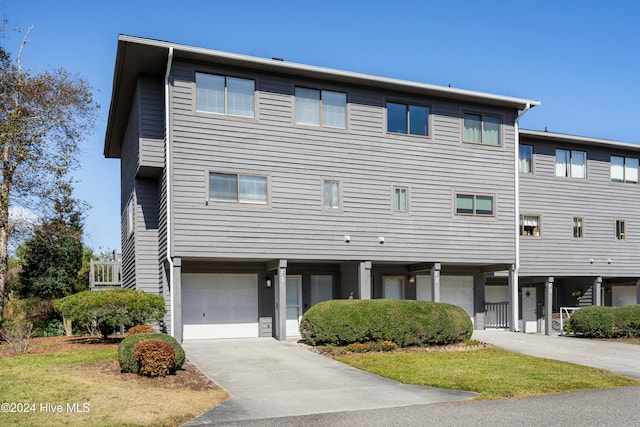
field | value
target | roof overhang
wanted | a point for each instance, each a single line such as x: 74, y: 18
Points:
x: 136, y: 56
x: 564, y: 138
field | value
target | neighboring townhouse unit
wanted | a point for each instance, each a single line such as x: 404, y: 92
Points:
x: 253, y: 189
x: 579, y: 222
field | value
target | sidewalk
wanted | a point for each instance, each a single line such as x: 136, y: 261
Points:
x: 613, y: 356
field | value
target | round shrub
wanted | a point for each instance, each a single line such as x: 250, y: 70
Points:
x: 606, y: 322
x: 404, y: 322
x: 155, y: 358
x: 140, y: 329
x: 126, y: 350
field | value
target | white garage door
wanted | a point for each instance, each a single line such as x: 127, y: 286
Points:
x: 219, y: 306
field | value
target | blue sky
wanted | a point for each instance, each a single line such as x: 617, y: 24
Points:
x: 581, y: 59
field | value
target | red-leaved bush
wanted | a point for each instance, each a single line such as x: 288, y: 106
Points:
x: 155, y: 358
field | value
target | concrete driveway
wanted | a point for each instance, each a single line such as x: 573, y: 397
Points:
x: 267, y: 378
x: 612, y: 356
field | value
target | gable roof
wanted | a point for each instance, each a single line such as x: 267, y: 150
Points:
x: 137, y: 56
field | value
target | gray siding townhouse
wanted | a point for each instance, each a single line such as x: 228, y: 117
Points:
x: 255, y: 188
x: 579, y: 223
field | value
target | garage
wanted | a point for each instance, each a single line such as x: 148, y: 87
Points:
x: 219, y: 306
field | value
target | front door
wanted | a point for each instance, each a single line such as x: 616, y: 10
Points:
x: 294, y: 305
x: 392, y: 287
x: 529, y: 310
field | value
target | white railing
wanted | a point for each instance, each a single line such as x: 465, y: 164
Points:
x: 105, y: 274
x: 568, y: 311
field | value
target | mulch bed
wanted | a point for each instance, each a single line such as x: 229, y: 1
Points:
x: 187, y: 377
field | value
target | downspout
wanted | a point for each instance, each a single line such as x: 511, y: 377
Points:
x: 167, y: 156
x: 516, y: 266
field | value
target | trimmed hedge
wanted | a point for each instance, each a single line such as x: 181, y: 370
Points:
x: 126, y: 350
x: 111, y: 308
x: 606, y: 322
x: 404, y: 322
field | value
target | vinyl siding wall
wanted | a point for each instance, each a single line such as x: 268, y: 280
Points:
x: 598, y: 200
x: 368, y: 162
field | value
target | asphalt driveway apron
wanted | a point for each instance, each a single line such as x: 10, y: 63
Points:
x: 267, y: 378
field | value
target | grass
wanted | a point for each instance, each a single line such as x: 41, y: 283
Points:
x: 91, y: 379
x: 491, y: 372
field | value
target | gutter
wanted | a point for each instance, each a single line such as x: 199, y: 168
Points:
x: 167, y: 145
x: 516, y: 267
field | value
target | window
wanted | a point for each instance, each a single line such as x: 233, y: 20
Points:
x: 407, y: 119
x: 481, y: 129
x: 321, y: 288
x: 621, y: 229
x: 474, y: 204
x: 321, y: 108
x: 130, y: 217
x: 530, y: 225
x: 331, y: 194
x: 225, y: 95
x: 526, y: 159
x: 400, y: 199
x: 571, y: 163
x: 624, y: 169
x: 235, y: 188
x: 578, y: 227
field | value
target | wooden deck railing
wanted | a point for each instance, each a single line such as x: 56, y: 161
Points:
x: 105, y: 275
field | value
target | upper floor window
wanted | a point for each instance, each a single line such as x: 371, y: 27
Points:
x: 578, y: 227
x: 621, y: 229
x: 236, y: 188
x: 331, y: 194
x: 400, y: 199
x: 526, y: 159
x: 474, y: 204
x: 530, y: 225
x: 624, y: 169
x: 571, y: 163
x: 225, y: 95
x: 130, y: 216
x: 481, y: 129
x: 407, y: 119
x: 321, y: 108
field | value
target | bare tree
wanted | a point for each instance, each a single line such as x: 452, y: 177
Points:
x: 43, y: 118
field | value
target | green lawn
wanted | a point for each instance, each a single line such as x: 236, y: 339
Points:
x: 493, y: 373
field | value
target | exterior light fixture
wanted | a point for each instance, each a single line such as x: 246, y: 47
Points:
x: 381, y: 240
x: 412, y: 280
x: 267, y: 281
x: 347, y: 238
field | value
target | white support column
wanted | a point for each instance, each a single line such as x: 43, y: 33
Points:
x: 513, y: 300
x: 364, y: 280
x: 548, y: 306
x: 435, y: 282
x: 596, y: 291
x: 176, y: 319
x: 281, y: 300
